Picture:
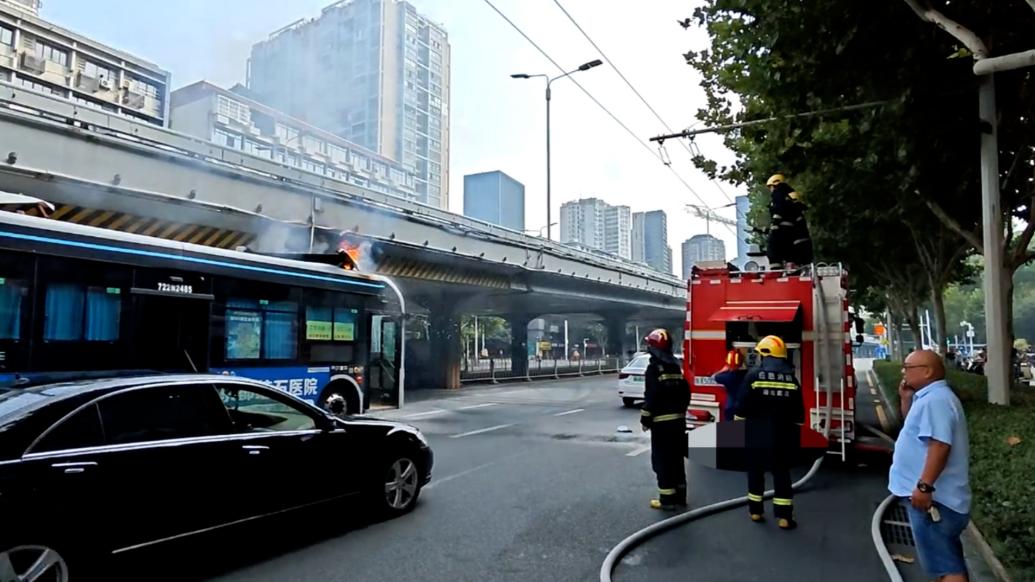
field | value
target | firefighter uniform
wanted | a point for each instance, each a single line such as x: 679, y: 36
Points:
x: 773, y: 409
x: 783, y: 215
x: 801, y: 240
x: 666, y: 397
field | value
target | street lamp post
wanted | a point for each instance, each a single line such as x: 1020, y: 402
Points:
x: 539, y: 231
x: 549, y: 81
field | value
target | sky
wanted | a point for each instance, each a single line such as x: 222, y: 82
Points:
x: 497, y: 123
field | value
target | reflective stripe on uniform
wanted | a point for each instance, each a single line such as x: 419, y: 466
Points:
x: 644, y: 413
x: 667, y: 377
x: 666, y: 491
x: 753, y: 497
x: 780, y: 501
x: 770, y: 384
x: 735, y: 417
x: 664, y: 417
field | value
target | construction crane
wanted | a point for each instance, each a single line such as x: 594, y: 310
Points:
x: 708, y: 214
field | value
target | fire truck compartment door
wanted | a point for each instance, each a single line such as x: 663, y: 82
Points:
x: 776, y: 311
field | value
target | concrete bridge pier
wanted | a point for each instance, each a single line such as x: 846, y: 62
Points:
x: 519, y: 343
x: 444, y: 339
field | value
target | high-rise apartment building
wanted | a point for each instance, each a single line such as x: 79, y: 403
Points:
x: 374, y: 72
x: 38, y: 55
x: 593, y: 223
x: 701, y: 247
x: 650, y: 240
x: 495, y: 198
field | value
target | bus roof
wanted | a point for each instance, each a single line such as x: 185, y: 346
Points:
x: 54, y: 231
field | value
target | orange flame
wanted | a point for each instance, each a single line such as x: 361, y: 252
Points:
x: 352, y: 250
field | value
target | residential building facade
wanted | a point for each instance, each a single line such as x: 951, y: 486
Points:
x: 495, y: 198
x: 232, y: 120
x: 38, y: 55
x: 650, y: 240
x: 595, y: 224
x: 701, y: 247
x: 374, y: 72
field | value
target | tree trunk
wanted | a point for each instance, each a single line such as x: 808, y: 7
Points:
x: 913, y: 319
x: 900, y: 346
x: 938, y: 301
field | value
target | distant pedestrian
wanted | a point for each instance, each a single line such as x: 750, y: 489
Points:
x: 930, y: 471
x: 731, y: 377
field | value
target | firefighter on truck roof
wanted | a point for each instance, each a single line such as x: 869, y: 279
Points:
x: 666, y: 397
x: 789, y: 244
x: 773, y: 408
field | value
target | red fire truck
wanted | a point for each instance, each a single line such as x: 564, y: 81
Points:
x: 729, y: 309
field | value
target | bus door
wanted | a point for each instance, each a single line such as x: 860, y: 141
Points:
x: 384, y: 371
x: 171, y: 321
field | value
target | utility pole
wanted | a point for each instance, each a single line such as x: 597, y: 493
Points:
x: 997, y: 369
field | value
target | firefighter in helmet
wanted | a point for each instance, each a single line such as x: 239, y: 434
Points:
x: 773, y: 409
x: 666, y: 397
x: 779, y: 240
x: 731, y: 377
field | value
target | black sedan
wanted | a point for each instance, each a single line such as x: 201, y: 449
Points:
x: 105, y: 466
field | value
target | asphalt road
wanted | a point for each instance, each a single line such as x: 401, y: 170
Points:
x: 533, y: 482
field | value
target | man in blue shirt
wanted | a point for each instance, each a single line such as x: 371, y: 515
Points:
x: 930, y: 470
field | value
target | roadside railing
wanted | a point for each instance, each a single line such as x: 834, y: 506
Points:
x: 502, y: 369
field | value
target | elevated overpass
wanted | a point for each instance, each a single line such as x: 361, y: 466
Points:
x: 109, y: 171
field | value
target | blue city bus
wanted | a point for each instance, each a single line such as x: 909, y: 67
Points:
x: 81, y: 299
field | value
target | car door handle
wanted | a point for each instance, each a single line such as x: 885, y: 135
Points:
x: 74, y: 468
x: 255, y: 449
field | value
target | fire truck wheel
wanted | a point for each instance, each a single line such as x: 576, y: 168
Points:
x: 628, y: 402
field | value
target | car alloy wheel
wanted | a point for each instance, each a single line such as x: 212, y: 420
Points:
x: 401, y: 484
x: 32, y: 564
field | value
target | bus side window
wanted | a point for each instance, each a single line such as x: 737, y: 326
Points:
x: 79, y: 313
x: 12, y: 297
x: 261, y: 329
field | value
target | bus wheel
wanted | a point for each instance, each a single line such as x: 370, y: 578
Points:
x: 339, y: 399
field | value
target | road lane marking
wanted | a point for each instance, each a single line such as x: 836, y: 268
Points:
x: 480, y: 431
x: 577, y: 410
x: 882, y: 418
x: 435, y: 482
x: 473, y: 406
x: 638, y: 452
x: 427, y: 413
x: 873, y: 390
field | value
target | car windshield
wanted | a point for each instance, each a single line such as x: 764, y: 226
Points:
x: 639, y: 362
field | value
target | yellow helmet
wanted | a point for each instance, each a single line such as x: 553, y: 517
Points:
x: 774, y: 180
x: 772, y: 346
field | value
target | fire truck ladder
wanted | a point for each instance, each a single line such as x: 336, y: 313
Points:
x: 823, y: 337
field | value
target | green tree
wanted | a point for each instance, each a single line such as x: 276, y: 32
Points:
x: 879, y: 181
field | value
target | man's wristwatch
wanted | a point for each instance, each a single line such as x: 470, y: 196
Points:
x: 924, y: 487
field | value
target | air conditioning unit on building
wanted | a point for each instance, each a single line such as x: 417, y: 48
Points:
x: 134, y: 100
x: 87, y: 83
x: 32, y: 63
x: 105, y: 84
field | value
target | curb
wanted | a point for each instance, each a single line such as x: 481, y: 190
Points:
x: 988, y: 554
